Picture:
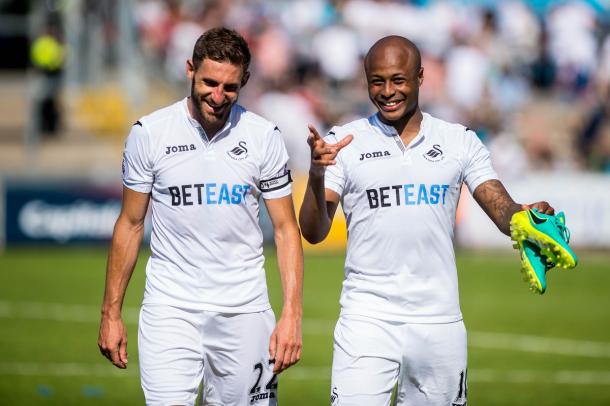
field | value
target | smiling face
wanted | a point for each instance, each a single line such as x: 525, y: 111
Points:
x: 215, y: 88
x: 394, y: 75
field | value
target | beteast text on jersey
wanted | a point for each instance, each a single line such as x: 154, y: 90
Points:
x: 208, y: 193
x: 426, y: 194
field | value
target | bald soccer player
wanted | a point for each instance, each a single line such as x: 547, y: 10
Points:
x: 398, y: 175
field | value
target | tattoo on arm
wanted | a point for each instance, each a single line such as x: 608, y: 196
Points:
x: 497, y: 203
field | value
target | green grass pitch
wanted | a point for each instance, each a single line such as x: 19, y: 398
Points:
x: 524, y: 349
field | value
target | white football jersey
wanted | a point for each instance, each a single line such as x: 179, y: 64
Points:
x: 206, y: 243
x: 400, y: 204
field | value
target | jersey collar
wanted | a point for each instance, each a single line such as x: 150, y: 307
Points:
x: 390, y: 131
x: 199, y: 128
x: 385, y: 129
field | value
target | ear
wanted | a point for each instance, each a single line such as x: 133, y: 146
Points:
x: 245, y: 78
x: 190, y: 69
x: 420, y: 75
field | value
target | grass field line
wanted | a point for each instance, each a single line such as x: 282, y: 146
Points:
x: 64, y: 369
x: 301, y: 373
x: 476, y: 339
x: 489, y: 375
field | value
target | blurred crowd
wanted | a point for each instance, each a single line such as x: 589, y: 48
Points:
x: 534, y: 83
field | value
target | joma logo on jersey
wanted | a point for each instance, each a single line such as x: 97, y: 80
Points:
x: 179, y: 148
x: 376, y: 154
x: 435, y: 154
x: 239, y: 152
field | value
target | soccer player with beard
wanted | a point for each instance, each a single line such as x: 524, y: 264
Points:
x: 203, y: 163
x: 398, y: 176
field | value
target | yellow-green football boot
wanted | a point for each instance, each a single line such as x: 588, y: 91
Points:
x: 547, y: 232
x: 534, y: 266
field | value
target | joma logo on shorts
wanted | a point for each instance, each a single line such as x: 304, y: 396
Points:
x: 179, y: 148
x: 261, y: 396
x: 376, y: 154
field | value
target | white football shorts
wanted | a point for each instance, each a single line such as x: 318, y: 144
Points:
x: 180, y: 348
x: 426, y: 362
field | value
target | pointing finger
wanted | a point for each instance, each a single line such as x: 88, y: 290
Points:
x: 344, y: 142
x: 314, y: 132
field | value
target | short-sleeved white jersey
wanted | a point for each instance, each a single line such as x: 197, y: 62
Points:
x: 206, y: 241
x: 400, y: 205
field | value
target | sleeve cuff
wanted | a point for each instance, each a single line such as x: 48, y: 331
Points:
x: 334, y: 186
x: 138, y: 187
x: 474, y: 184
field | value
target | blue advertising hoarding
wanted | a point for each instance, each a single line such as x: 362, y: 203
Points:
x: 59, y: 212
x: 67, y: 212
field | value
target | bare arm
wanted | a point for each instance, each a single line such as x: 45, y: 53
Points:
x: 286, y: 341
x: 318, y: 209
x: 126, y: 239
x: 319, y: 204
x: 500, y: 207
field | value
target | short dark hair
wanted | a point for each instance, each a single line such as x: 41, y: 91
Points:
x: 222, y: 45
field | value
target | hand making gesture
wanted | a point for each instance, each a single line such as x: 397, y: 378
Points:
x: 322, y: 153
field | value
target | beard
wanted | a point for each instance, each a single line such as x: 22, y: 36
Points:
x: 206, y: 116
x: 197, y: 103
